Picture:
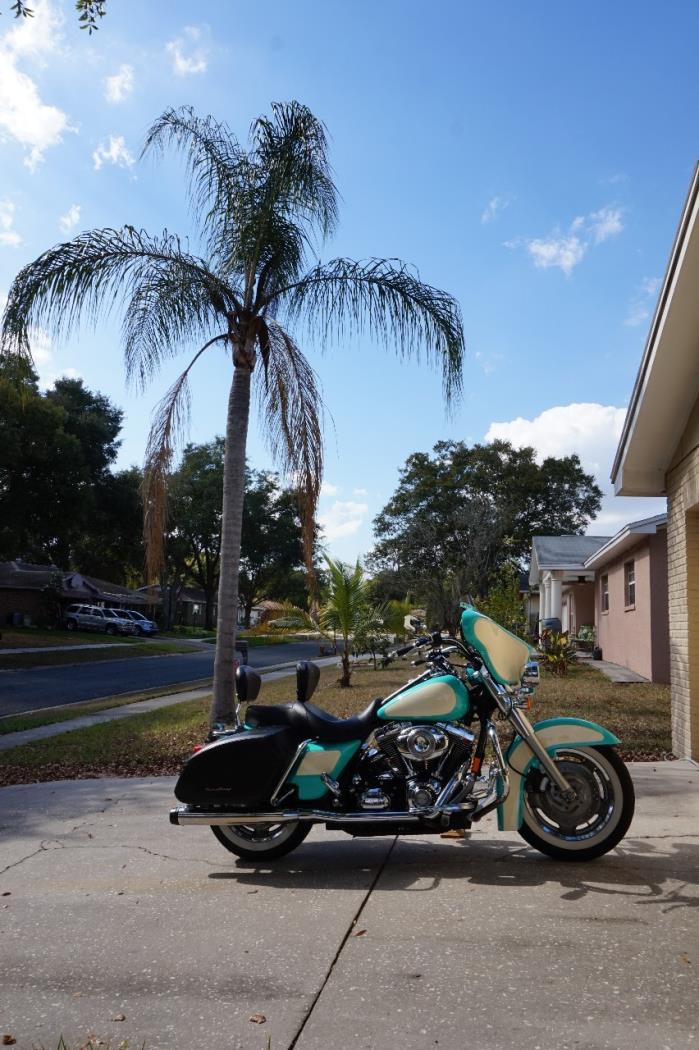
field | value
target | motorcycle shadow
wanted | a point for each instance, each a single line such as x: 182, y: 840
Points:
x: 664, y: 875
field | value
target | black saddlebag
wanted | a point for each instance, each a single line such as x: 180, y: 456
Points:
x: 240, y: 771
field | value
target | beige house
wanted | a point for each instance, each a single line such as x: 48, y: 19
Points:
x: 658, y: 455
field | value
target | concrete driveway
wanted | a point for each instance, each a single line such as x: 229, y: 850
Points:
x: 113, y: 923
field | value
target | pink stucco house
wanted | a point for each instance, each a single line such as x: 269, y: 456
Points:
x: 617, y: 584
x: 631, y: 607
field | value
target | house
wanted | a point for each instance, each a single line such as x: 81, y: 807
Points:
x: 631, y: 619
x: 658, y: 455
x: 566, y: 587
x: 23, y: 591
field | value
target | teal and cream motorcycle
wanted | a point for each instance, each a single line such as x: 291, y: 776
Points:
x: 425, y: 759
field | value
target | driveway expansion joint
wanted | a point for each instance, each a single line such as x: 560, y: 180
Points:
x: 355, y: 919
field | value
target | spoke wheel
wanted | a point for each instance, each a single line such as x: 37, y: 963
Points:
x: 590, y: 824
x: 261, y: 841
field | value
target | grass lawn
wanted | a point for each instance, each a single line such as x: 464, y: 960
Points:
x: 79, y: 656
x: 157, y: 743
x: 35, y: 637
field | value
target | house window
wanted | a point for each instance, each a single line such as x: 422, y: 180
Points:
x: 604, y: 586
x: 629, y: 583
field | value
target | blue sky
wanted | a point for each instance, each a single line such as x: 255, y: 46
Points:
x: 532, y: 159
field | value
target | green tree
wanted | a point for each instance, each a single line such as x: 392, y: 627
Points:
x: 59, y: 500
x: 195, y: 513
x: 89, y: 12
x: 261, y: 212
x: 461, y: 513
x: 271, y: 550
x: 504, y: 603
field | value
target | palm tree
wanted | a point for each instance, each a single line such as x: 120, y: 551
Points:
x: 348, y: 610
x: 261, y: 212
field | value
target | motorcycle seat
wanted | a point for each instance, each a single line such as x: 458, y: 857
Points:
x: 309, y: 721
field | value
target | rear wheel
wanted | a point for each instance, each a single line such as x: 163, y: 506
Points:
x: 261, y: 841
x: 592, y: 823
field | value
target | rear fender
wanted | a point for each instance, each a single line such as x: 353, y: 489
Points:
x: 553, y: 733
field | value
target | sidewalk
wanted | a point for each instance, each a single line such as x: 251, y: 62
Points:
x: 118, y: 925
x: 110, y: 714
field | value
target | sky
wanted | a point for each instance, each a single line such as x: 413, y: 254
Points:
x: 530, y: 159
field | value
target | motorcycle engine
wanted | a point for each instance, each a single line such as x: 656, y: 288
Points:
x: 409, y: 766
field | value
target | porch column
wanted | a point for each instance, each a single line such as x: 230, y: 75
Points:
x: 555, y: 603
x: 544, y: 590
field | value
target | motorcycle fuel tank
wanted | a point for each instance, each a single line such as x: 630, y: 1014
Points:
x: 439, y: 699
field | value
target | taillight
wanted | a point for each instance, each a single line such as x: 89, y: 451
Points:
x: 197, y: 747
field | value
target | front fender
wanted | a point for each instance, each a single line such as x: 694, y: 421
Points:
x: 552, y: 733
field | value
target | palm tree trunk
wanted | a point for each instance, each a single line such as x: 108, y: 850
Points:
x: 223, y: 703
x: 345, y: 677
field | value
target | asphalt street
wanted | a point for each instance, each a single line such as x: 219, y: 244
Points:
x: 31, y: 689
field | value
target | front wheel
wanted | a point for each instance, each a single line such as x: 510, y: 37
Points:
x: 594, y: 821
x: 261, y: 841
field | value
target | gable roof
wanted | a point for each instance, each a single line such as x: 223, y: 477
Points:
x: 568, y: 553
x: 667, y: 384
x: 626, y: 538
x: 20, y: 575
x: 565, y: 552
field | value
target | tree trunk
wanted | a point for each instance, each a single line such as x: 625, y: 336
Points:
x: 223, y: 703
x: 345, y: 677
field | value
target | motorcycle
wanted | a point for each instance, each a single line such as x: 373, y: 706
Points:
x: 426, y: 759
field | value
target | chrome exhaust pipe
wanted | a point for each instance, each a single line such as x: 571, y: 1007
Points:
x: 189, y: 815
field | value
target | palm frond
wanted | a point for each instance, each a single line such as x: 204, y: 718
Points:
x: 82, y: 279
x: 348, y: 599
x: 218, y: 170
x: 292, y: 406
x: 291, y: 148
x: 345, y: 298
x: 170, y: 423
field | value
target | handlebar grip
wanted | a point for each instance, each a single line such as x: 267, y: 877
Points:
x: 404, y: 649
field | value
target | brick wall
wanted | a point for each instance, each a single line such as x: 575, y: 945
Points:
x: 683, y: 602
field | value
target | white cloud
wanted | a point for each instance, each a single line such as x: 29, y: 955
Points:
x: 23, y: 115
x: 642, y: 302
x: 343, y: 518
x: 592, y: 431
x: 115, y: 152
x: 328, y: 489
x: 360, y: 492
x: 564, y: 249
x: 71, y: 218
x: 563, y: 252
x: 188, y: 55
x: 120, y: 85
x: 605, y: 223
x: 8, y: 235
x: 493, y: 208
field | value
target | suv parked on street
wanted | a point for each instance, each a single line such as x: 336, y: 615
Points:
x: 94, y: 618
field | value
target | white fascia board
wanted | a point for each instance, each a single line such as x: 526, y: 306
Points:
x: 624, y: 539
x: 667, y: 383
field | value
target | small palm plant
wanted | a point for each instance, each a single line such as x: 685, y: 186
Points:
x: 348, y: 610
x: 261, y: 213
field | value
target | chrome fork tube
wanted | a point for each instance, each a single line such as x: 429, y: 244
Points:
x: 524, y: 728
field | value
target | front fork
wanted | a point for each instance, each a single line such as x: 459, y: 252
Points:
x: 525, y: 730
